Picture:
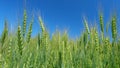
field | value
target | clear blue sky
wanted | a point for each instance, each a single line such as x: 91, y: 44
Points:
x: 61, y: 14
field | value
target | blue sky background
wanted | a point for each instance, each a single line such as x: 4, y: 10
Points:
x: 60, y: 14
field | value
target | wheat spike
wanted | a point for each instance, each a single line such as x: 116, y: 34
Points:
x: 41, y: 24
x: 29, y: 32
x: 5, y: 33
x: 114, y: 27
x: 24, y: 23
x: 20, y: 40
x: 86, y: 26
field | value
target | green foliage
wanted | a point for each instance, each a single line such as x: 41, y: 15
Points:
x: 59, y: 51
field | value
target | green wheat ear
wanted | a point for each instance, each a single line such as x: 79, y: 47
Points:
x: 101, y: 23
x: 5, y: 33
x: 43, y: 36
x: 20, y: 40
x: 114, y: 27
x: 29, y: 32
x: 41, y: 24
x: 101, y: 26
x: 24, y: 23
x: 86, y: 26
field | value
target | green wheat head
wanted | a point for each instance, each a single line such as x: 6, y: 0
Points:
x: 114, y: 27
x: 20, y: 40
x: 4, y: 33
x: 29, y: 32
x: 24, y: 23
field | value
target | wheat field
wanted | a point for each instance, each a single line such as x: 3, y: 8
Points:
x: 91, y: 50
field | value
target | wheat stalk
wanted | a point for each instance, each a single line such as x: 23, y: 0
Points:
x: 39, y: 39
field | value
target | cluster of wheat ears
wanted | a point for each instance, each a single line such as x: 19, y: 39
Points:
x: 91, y: 50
